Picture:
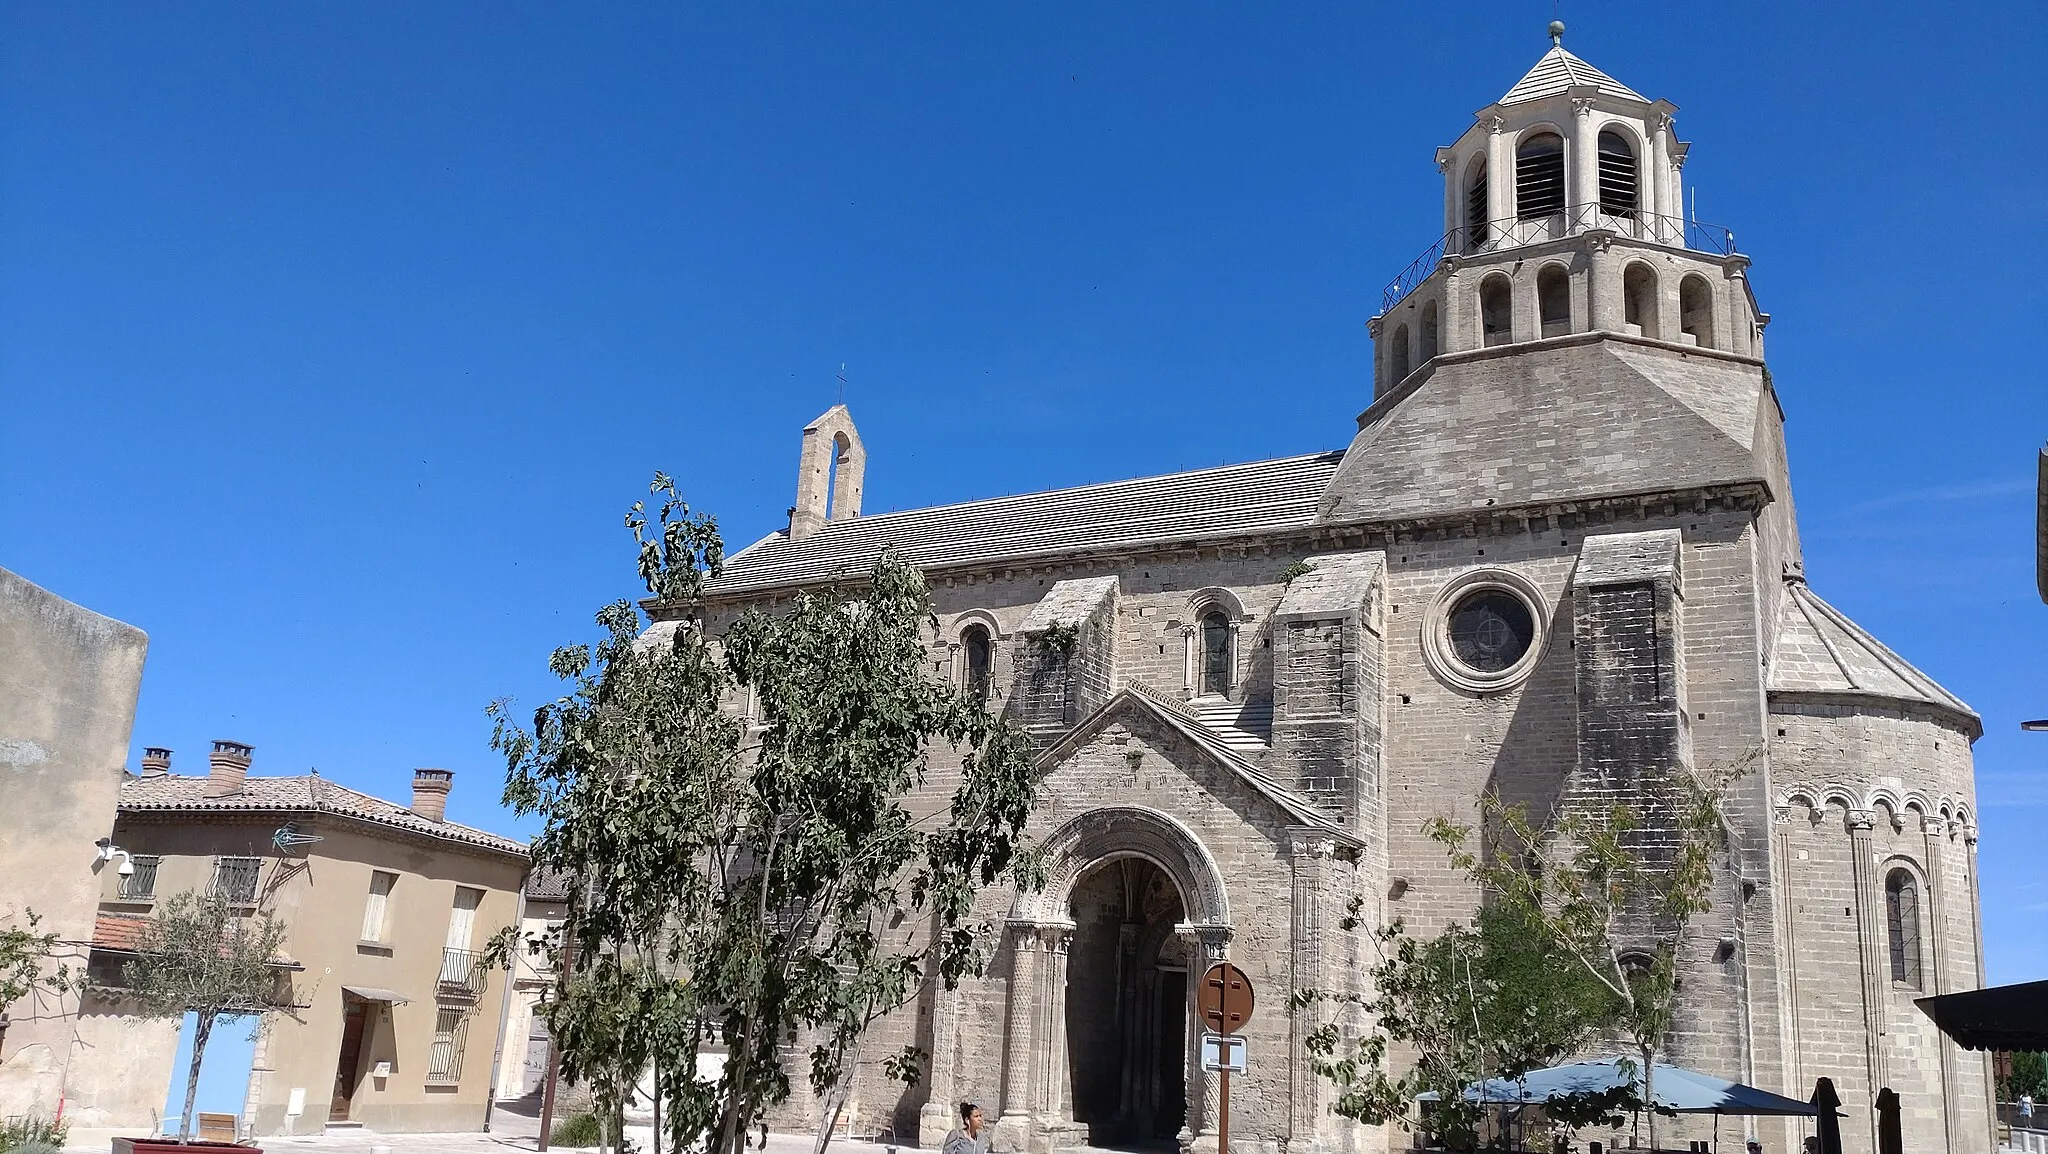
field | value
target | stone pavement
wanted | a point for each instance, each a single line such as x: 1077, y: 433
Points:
x: 510, y: 1132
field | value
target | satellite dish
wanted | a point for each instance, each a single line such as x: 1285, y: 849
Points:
x: 289, y: 838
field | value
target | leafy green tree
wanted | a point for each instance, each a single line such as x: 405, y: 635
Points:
x: 1478, y: 1001
x: 200, y: 955
x: 2029, y: 1075
x: 1609, y: 893
x: 743, y: 884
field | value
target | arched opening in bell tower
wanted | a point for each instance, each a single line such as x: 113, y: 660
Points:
x: 1539, y: 176
x: 1475, y: 204
x: 1696, y: 310
x: 1496, y: 310
x: 1639, y: 298
x: 1554, y: 301
x: 1127, y: 1005
x: 1618, y: 191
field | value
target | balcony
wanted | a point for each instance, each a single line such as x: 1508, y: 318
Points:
x: 1495, y: 235
x: 462, y: 974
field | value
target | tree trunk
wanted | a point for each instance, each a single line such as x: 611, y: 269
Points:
x: 202, y: 1028
x: 1650, y: 1094
x: 835, y: 1101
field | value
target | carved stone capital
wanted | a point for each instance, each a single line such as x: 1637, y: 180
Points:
x: 1057, y: 938
x: 1933, y: 825
x: 1494, y: 124
x: 1862, y: 820
x: 1214, y: 941
x: 1443, y: 164
x: 1970, y: 833
x: 1026, y: 935
x: 1582, y: 105
x: 1782, y: 815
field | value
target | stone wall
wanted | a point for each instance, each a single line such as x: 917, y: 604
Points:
x: 68, y: 683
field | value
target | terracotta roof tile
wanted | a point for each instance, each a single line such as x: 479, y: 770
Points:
x: 307, y: 793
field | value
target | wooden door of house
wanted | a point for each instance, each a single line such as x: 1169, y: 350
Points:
x: 354, y: 1016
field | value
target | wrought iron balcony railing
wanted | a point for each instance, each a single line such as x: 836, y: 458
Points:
x: 1674, y: 231
x: 462, y: 973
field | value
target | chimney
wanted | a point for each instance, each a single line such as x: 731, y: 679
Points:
x: 229, y: 769
x: 430, y: 792
x: 156, y: 761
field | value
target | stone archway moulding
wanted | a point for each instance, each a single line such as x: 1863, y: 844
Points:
x: 1116, y: 831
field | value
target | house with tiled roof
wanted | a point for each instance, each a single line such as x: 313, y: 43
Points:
x: 387, y: 908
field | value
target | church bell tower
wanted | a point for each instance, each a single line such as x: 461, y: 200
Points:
x: 1564, y: 215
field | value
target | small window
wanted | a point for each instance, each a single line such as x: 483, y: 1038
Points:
x: 1475, y: 204
x: 1398, y: 356
x: 140, y: 886
x: 444, y: 1053
x: 1902, y: 926
x: 1496, y: 311
x: 1491, y: 629
x: 1617, y: 175
x: 1429, y: 332
x: 375, y: 906
x: 1696, y: 310
x: 234, y: 879
x: 1539, y: 176
x: 1639, y: 299
x: 1554, y: 300
x: 1216, y: 662
x: 977, y: 661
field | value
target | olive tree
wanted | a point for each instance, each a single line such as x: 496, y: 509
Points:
x: 762, y: 853
x: 199, y: 955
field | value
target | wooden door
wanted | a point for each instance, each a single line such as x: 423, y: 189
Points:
x: 354, y: 1016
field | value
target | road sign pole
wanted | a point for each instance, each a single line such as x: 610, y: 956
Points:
x: 1223, y: 1114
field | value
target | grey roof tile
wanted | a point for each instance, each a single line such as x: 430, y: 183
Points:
x: 1228, y: 500
x: 1819, y: 650
x: 1558, y: 70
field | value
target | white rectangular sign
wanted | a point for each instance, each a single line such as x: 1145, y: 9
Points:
x: 1223, y: 1052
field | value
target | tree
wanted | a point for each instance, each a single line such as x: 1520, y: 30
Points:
x: 200, y: 955
x: 1609, y: 892
x: 745, y: 884
x: 2029, y: 1075
x: 23, y: 953
x: 1480, y: 1001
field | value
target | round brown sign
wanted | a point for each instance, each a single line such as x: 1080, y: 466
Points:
x: 1225, y: 998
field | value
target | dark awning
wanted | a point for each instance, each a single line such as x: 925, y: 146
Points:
x: 2013, y: 1018
x: 373, y: 994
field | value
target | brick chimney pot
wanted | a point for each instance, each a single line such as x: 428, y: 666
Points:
x: 430, y: 792
x: 229, y: 768
x: 156, y: 761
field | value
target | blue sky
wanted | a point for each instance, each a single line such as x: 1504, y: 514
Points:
x: 334, y: 339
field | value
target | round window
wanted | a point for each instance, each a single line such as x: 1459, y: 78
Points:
x: 1484, y: 632
x: 1490, y: 630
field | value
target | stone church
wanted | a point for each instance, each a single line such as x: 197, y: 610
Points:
x: 1559, y: 549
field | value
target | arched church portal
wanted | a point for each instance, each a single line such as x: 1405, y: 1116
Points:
x: 1127, y: 1005
x: 1100, y: 1037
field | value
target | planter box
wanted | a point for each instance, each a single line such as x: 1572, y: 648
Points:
x: 173, y: 1146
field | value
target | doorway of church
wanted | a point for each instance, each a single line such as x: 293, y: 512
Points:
x: 1127, y: 1006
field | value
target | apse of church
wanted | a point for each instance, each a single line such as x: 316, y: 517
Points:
x: 1559, y: 549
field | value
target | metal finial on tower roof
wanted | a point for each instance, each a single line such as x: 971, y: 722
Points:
x: 1557, y: 33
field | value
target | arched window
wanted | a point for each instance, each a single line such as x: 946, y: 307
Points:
x: 1554, y: 300
x: 1696, y: 310
x: 1398, y: 357
x: 1617, y: 175
x: 977, y: 661
x: 1639, y: 298
x: 1902, y: 925
x: 1475, y: 204
x: 1496, y: 310
x: 1429, y: 338
x: 1216, y: 655
x: 1539, y: 176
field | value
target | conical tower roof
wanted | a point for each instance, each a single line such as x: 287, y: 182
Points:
x: 1558, y: 70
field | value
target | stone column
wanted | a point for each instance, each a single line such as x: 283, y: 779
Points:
x: 1448, y: 169
x: 1932, y: 831
x: 1500, y: 173
x: 1870, y: 937
x: 1056, y: 1128
x: 1236, y: 666
x: 1307, y: 850
x: 1989, y: 1121
x: 1188, y: 656
x: 1655, y: 166
x: 1013, y: 1129
x: 938, y: 1115
x: 1788, y: 945
x: 1584, y: 170
x: 1213, y: 944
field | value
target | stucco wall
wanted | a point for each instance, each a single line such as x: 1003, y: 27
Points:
x: 68, y: 683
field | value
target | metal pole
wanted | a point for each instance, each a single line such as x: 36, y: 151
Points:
x: 1223, y: 1113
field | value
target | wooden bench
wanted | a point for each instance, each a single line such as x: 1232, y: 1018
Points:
x: 217, y: 1127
